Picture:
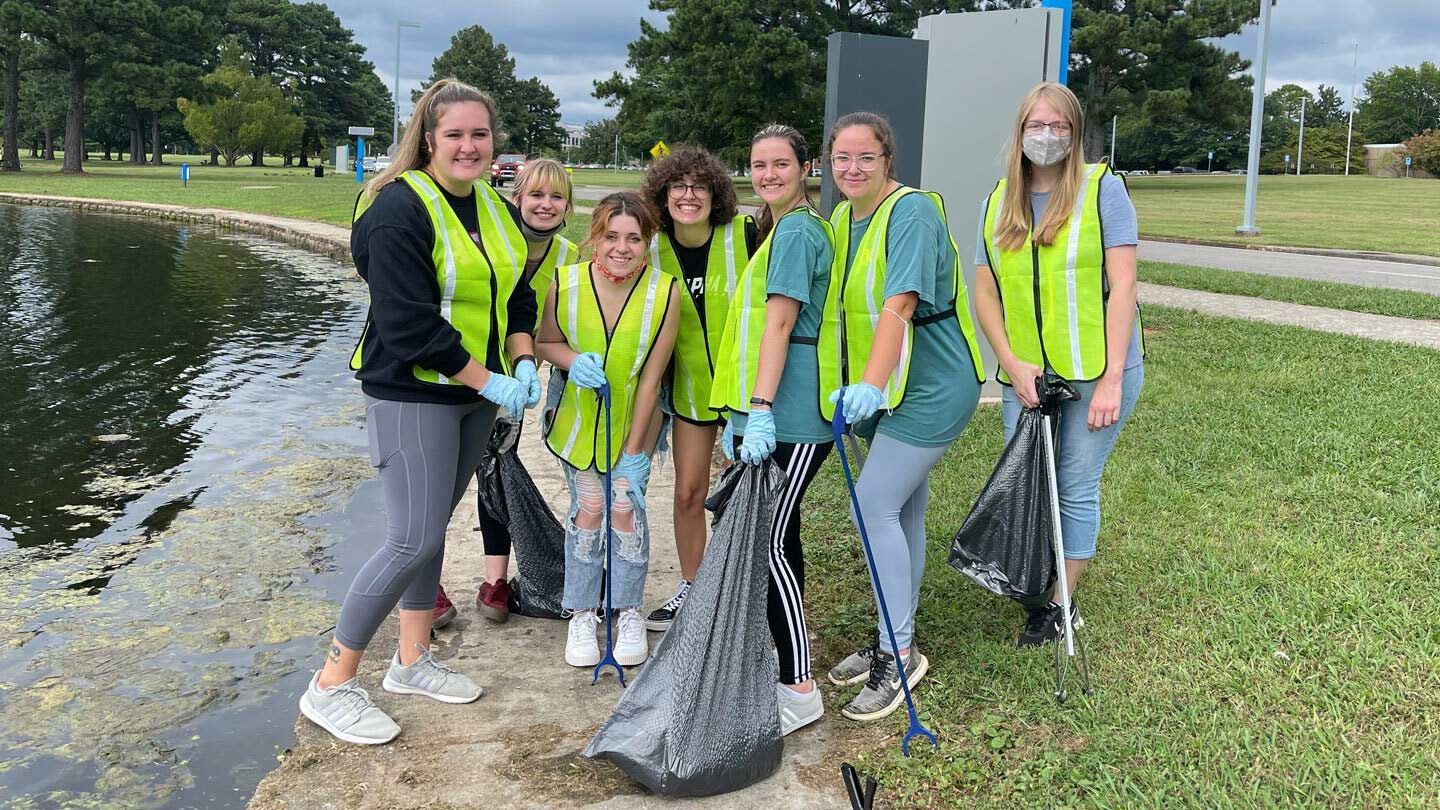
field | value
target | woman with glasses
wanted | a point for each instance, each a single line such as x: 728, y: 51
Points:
x: 898, y: 358
x: 704, y: 245
x: 1062, y: 231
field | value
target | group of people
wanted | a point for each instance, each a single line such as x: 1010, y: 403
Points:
x: 692, y: 321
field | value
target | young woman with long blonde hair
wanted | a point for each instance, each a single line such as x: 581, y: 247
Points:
x: 1055, y: 294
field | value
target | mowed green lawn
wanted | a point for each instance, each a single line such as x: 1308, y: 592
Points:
x: 1259, y: 615
x: 1351, y: 213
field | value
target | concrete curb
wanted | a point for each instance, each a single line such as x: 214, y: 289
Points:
x: 319, y: 237
x: 1398, y: 258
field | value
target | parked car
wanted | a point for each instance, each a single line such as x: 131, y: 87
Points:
x: 505, y: 168
x: 1237, y: 171
x: 382, y: 163
x: 1138, y: 171
x: 1184, y: 170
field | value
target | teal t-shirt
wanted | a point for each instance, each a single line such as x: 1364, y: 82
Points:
x: 941, y: 393
x: 800, y: 256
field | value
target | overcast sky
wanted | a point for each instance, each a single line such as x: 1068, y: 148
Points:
x: 570, y: 43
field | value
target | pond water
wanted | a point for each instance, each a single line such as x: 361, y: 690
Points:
x: 180, y: 443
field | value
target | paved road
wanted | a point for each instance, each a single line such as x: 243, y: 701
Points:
x: 1346, y: 270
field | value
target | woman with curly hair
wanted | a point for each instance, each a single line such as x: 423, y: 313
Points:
x: 704, y: 244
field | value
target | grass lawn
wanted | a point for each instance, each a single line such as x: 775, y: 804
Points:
x: 1255, y: 614
x: 1353, y: 213
x: 1352, y: 297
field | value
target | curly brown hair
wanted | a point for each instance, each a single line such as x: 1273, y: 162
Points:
x: 705, y: 168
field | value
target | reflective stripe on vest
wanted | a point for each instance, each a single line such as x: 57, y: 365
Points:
x: 574, y: 432
x: 475, y: 280
x: 1053, y: 296
x: 693, y: 362
x: 737, y: 359
x: 562, y: 252
x: 856, y: 299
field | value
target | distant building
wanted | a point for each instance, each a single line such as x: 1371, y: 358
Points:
x: 1388, y: 160
x: 573, y: 134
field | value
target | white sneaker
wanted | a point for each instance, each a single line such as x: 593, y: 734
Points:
x: 347, y: 712
x: 580, y: 648
x: 798, y: 710
x: 430, y: 678
x: 631, y: 648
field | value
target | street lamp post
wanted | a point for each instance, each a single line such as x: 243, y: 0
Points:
x: 1300, y: 151
x: 1350, y: 128
x: 1257, y: 120
x: 395, y: 130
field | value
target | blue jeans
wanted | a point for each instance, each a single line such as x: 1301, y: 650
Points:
x: 585, y: 548
x: 1081, y: 459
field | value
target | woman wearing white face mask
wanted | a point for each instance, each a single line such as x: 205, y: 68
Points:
x: 1063, y: 231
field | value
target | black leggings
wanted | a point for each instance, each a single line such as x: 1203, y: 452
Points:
x: 785, y: 606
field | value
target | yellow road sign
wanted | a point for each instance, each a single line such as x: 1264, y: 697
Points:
x: 659, y: 150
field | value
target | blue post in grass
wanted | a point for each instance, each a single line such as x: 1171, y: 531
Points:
x: 360, y: 159
x: 916, y: 728
x: 1065, y: 7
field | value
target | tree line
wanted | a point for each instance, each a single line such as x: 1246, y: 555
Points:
x: 1153, y: 63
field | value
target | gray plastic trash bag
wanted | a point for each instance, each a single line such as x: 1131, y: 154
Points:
x: 701, y: 718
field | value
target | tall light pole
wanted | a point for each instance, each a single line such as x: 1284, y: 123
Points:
x: 1350, y: 128
x: 1300, y: 151
x: 1257, y: 120
x: 395, y: 131
x: 1114, y: 123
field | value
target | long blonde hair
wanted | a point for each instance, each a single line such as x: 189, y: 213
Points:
x: 413, y: 152
x: 1014, y: 222
x: 542, y: 172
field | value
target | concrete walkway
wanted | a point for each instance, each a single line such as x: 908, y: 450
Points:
x: 1353, y: 269
x: 520, y: 744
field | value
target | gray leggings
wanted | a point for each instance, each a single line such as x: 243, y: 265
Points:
x: 426, y: 455
x: 894, y: 489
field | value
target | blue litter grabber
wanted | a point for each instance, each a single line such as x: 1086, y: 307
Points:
x: 608, y: 659
x: 916, y: 729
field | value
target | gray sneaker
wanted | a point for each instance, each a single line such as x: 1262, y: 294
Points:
x: 430, y: 678
x: 347, y: 712
x: 856, y: 666
x: 882, y: 693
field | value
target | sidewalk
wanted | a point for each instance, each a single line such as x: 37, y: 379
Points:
x: 520, y: 744
x: 1390, y: 270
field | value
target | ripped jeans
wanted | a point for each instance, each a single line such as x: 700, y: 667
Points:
x: 585, y: 543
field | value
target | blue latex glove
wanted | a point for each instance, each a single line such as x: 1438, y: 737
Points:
x: 526, y: 374
x: 587, y: 370
x: 727, y: 440
x: 635, y: 469
x: 507, y: 392
x: 759, y: 441
x: 861, y: 401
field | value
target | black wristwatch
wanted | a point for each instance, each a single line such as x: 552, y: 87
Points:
x: 762, y: 401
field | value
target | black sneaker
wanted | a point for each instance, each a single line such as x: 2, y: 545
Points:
x: 1045, y: 624
x: 659, y: 619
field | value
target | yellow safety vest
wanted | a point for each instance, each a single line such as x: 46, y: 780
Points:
x: 475, y: 280
x: 738, y: 357
x: 693, y: 361
x: 856, y: 299
x: 574, y: 432
x: 1053, y: 296
x: 562, y: 252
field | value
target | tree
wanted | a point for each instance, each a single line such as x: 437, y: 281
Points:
x: 757, y: 61
x: 1424, y: 151
x: 597, y: 142
x: 249, y: 113
x: 11, y: 47
x: 1329, y: 108
x: 1401, y: 102
x: 528, y: 110
x: 42, y: 108
x: 1324, y: 152
x: 332, y: 83
x: 81, y: 36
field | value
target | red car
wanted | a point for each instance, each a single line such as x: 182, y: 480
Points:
x: 505, y: 168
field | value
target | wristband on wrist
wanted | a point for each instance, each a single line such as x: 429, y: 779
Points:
x: 762, y: 401
x: 530, y: 357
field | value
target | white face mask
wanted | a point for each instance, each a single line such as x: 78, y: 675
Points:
x: 1045, y: 148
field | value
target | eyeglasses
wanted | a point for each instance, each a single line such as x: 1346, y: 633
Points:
x: 677, y: 190
x: 867, y: 162
x: 1056, y: 127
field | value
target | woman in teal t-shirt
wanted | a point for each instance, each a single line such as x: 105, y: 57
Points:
x: 915, y: 272
x: 774, y: 412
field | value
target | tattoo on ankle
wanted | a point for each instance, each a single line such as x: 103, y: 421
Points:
x: 335, y: 652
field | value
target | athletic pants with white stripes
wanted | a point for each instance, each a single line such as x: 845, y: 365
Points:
x: 785, y: 606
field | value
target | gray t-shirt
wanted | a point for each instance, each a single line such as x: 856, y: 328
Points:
x: 1121, y: 228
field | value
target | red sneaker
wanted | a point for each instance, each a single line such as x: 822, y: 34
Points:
x: 494, y: 600
x: 444, y: 609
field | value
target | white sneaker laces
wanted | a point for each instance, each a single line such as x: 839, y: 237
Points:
x: 631, y: 625
x: 679, y: 598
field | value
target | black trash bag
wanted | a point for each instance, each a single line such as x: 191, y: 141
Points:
x: 1006, y: 544
x: 538, y: 542
x: 701, y: 717
x: 503, y: 438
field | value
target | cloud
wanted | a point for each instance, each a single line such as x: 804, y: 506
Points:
x: 568, y: 45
